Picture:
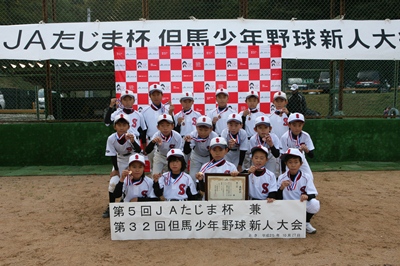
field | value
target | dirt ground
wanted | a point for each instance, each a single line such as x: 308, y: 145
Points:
x: 56, y: 220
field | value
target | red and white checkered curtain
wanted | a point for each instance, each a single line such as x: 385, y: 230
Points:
x: 201, y: 70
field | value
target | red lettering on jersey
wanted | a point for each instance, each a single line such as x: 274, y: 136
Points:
x: 129, y: 149
x: 194, y: 120
x: 285, y: 122
x: 144, y: 193
x: 227, y: 172
x: 172, y: 146
x: 182, y: 189
x: 134, y: 123
x: 303, y: 190
x: 265, y: 188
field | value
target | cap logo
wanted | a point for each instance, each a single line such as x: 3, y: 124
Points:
x: 155, y: 86
x: 233, y: 116
x: 136, y: 156
x: 172, y: 151
x: 297, y: 116
x: 217, y: 140
x: 288, y: 151
x: 262, y: 119
x: 165, y: 116
x: 279, y: 93
x: 122, y: 116
x: 252, y: 92
x: 204, y: 119
x: 222, y: 89
x: 187, y: 93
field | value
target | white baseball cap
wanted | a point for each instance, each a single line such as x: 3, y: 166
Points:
x: 165, y: 117
x: 260, y: 148
x: 262, y: 120
x: 155, y: 87
x: 121, y: 116
x: 137, y: 158
x: 221, y: 90
x: 252, y: 93
x: 294, y: 152
x: 204, y: 121
x: 127, y: 93
x: 296, y: 117
x: 175, y: 152
x: 294, y: 87
x: 234, y: 117
x: 280, y: 94
x: 186, y: 95
x: 218, y: 141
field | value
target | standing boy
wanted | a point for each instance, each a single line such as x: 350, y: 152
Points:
x: 295, y: 137
x: 265, y: 138
x: 165, y: 139
x: 297, y: 185
x: 237, y: 140
x: 151, y: 113
x: 279, y: 118
x: 219, y: 115
x: 197, y: 144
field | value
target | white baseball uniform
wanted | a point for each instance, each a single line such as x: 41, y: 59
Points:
x: 288, y: 141
x: 242, y: 144
x: 189, y: 122
x: 251, y: 120
x: 200, y: 153
x: 175, y: 189
x: 135, y: 119
x: 122, y: 151
x: 218, y: 167
x: 302, y: 183
x: 279, y: 124
x: 142, y: 188
x: 273, y: 163
x: 222, y: 118
x: 174, y: 141
x: 260, y: 186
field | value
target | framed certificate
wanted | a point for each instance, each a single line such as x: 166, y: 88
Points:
x: 226, y: 187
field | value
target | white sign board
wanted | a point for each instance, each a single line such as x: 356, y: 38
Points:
x: 207, y: 219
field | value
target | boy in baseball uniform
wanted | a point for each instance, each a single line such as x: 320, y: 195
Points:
x: 175, y: 185
x: 218, y: 150
x: 151, y: 113
x: 237, y: 140
x: 279, y: 118
x: 120, y: 145
x: 136, y: 121
x: 295, y: 137
x: 133, y: 183
x: 219, y: 115
x: 294, y: 184
x: 264, y: 137
x: 163, y: 140
x: 262, y: 182
x: 197, y: 144
x: 249, y: 116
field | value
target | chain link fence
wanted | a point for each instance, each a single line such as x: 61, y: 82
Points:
x: 80, y: 91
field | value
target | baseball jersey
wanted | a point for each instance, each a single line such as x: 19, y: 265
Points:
x: 135, y: 118
x: 189, y: 122
x: 279, y: 124
x: 301, y: 184
x: 260, y: 186
x: 118, y: 146
x: 242, y: 144
x: 256, y: 141
x: 201, y: 146
x: 251, y: 120
x: 173, y: 141
x: 150, y: 114
x: 142, y: 188
x: 218, y: 167
x: 222, y: 118
x: 176, y: 188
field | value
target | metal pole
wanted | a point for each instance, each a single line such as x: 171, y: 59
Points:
x: 396, y: 82
x: 145, y: 9
x: 88, y: 14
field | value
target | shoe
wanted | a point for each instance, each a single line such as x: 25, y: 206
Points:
x: 106, y: 213
x: 310, y: 229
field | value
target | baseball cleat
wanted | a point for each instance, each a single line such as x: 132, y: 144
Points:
x: 310, y: 229
x: 106, y: 213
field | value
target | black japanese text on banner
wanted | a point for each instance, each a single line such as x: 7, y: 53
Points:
x: 207, y: 219
x: 313, y: 39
